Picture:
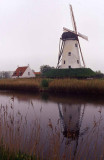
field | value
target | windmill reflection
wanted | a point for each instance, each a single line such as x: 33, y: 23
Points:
x: 71, y: 116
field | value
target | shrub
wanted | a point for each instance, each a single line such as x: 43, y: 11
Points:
x: 44, y: 83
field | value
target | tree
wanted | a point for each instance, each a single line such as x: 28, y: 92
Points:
x: 5, y: 75
x: 98, y: 72
x: 45, y: 68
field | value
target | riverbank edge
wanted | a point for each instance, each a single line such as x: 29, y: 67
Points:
x: 55, y: 86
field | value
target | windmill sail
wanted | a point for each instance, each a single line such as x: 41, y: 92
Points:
x: 81, y: 53
x: 61, y: 47
x: 73, y: 19
x: 79, y: 34
x: 68, y: 30
x: 83, y: 36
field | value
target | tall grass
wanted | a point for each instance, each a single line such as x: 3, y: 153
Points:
x: 75, y: 86
x: 20, y: 84
x: 15, y: 144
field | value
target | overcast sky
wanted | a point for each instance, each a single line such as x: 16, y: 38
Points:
x: 30, y: 31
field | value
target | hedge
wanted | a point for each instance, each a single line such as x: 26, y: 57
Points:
x: 71, y: 73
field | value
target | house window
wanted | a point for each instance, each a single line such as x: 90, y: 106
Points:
x: 78, y: 61
x: 64, y: 61
x: 69, y: 66
x: 76, y: 45
x: 28, y: 73
x: 69, y: 53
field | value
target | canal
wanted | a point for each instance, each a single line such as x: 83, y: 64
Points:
x: 52, y: 127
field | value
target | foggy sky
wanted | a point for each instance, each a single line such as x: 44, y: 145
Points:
x: 30, y: 31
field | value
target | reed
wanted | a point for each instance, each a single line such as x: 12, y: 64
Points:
x: 20, y: 84
x: 93, y: 86
x: 73, y: 86
x: 17, y: 144
x: 12, y: 147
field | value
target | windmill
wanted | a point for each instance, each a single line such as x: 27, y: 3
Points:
x: 70, y: 48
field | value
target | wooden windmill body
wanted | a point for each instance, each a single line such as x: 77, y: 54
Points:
x: 69, y: 47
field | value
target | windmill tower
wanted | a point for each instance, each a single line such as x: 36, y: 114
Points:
x: 70, y: 48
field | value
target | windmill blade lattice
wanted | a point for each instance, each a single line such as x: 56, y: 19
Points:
x: 61, y: 47
x: 73, y: 19
x: 81, y: 53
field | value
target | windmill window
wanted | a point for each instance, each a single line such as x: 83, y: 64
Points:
x: 64, y: 62
x: 78, y: 61
x: 76, y: 45
x: 69, y: 66
x: 69, y: 54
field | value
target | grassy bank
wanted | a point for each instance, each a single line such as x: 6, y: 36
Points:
x: 72, y: 86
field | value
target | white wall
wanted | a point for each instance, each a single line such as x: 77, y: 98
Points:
x: 26, y: 75
x: 14, y: 77
x: 70, y: 60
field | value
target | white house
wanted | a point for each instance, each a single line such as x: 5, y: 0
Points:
x: 23, y: 72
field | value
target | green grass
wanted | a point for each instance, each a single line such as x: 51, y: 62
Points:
x: 5, y: 154
x: 70, y: 73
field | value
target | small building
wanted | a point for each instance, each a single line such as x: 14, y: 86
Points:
x: 23, y: 72
x: 37, y: 74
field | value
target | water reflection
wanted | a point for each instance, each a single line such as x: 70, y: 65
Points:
x: 71, y: 118
x: 66, y: 126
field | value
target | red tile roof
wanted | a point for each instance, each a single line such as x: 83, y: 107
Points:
x: 19, y: 71
x: 37, y: 73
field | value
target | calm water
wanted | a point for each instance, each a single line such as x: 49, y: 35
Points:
x: 65, y: 127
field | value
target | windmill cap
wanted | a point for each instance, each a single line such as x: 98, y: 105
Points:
x: 69, y: 35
